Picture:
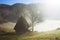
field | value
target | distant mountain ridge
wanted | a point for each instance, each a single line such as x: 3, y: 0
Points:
x: 9, y: 14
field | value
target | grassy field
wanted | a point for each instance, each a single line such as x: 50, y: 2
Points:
x: 53, y: 35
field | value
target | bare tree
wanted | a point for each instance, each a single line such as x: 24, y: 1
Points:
x: 34, y: 15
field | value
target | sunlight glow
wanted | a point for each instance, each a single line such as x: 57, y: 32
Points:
x: 51, y: 2
x: 47, y: 25
x: 51, y: 11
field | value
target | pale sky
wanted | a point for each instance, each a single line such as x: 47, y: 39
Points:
x: 51, y: 9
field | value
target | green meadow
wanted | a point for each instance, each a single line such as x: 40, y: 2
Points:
x: 51, y: 35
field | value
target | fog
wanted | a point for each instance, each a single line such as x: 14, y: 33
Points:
x: 51, y: 14
x: 47, y: 25
x: 51, y: 9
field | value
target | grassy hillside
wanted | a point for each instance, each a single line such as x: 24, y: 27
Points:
x: 52, y: 35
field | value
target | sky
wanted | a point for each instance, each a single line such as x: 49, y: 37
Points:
x: 51, y: 9
x: 19, y: 1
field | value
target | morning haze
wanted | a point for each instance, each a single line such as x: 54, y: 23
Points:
x: 29, y: 19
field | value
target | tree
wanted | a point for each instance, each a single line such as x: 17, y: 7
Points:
x: 29, y: 13
x: 34, y: 15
